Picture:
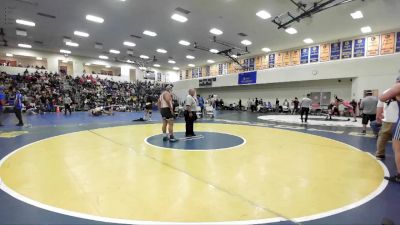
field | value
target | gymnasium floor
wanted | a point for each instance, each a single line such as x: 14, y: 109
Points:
x: 84, y: 170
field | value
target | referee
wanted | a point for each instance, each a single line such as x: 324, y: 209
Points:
x: 190, y: 113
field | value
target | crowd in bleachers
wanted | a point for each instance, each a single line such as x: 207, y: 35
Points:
x: 46, y: 91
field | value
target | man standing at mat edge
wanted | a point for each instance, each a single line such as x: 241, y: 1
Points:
x: 190, y: 113
x: 305, y: 107
x: 368, y: 105
x: 2, y: 103
x: 18, y: 108
x: 387, y: 115
x: 166, y: 109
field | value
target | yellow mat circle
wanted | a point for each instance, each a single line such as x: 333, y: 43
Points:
x: 112, y: 175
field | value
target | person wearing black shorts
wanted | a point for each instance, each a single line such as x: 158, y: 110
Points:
x: 166, y: 109
x: 369, y: 107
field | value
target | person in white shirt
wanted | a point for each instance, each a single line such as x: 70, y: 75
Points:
x: 387, y: 114
x: 190, y: 113
x: 305, y: 107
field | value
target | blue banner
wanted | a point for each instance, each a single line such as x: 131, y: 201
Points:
x: 347, y: 49
x: 304, y: 56
x: 271, y: 61
x: 335, y: 51
x: 247, y: 78
x: 398, y: 42
x: 359, y: 47
x: 314, y: 54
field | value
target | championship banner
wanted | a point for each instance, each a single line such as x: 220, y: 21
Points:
x: 251, y: 64
x: 325, y: 52
x: 286, y: 59
x: 347, y: 49
x: 187, y: 74
x: 295, y: 57
x: 180, y: 75
x: 314, y: 54
x: 278, y: 59
x: 387, y: 43
x: 398, y: 42
x: 271, y: 61
x: 373, y: 45
x: 359, y: 48
x: 247, y: 78
x: 304, y: 55
x: 335, y: 50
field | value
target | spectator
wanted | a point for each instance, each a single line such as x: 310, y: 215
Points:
x: 368, y: 105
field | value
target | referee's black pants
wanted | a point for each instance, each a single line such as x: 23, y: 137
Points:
x: 189, y: 122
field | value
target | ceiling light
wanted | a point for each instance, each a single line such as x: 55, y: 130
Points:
x: 183, y: 42
x: 214, y: 51
x: 81, y: 34
x: 263, y: 14
x: 291, y: 30
x: 9, y: 55
x: 130, y: 44
x: 234, y: 56
x: 113, y: 51
x: 95, y: 19
x: 142, y: 68
x: 129, y: 61
x: 171, y: 61
x: 156, y: 65
x: 25, y: 22
x: 98, y: 46
x: 87, y: 64
x: 39, y: 58
x: 357, y: 15
x: 216, y: 31
x: 144, y: 57
x: 21, y: 33
x: 103, y: 57
x: 175, y: 68
x: 366, y: 29
x: 66, y: 39
x: 246, y: 42
x: 210, y: 61
x: 190, y: 57
x: 308, y: 41
x: 108, y: 66
x: 191, y: 65
x: 150, y: 33
x: 179, y: 18
x: 65, y: 61
x: 65, y: 51
x: 24, y: 46
x: 266, y: 49
x: 160, y: 50
x: 72, y: 44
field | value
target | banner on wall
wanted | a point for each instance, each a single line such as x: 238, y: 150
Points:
x: 271, y: 61
x: 373, y: 45
x: 295, y: 57
x: 347, y: 49
x: 247, y: 78
x: 286, y: 59
x: 359, y: 47
x: 387, y: 43
x: 325, y: 52
x: 398, y: 42
x: 335, y: 50
x: 304, y: 55
x: 314, y: 54
x: 278, y: 59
